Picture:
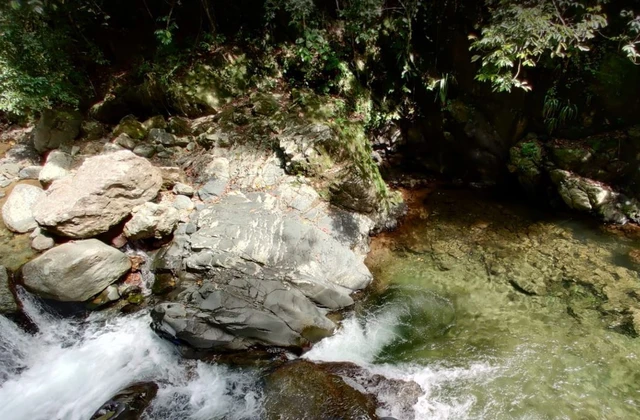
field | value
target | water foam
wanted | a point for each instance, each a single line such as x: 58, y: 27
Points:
x: 69, y: 369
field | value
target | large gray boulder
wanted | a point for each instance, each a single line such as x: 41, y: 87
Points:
x: 17, y: 212
x: 75, y: 271
x: 268, y: 273
x: 103, y: 191
x: 56, y: 128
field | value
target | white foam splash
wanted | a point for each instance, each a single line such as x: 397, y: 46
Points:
x: 69, y: 369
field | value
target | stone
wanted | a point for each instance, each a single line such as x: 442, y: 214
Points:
x: 92, y: 130
x: 30, y: 172
x: 179, y: 126
x: 151, y: 220
x: 303, y: 390
x: 265, y: 105
x: 18, y: 210
x: 57, y: 166
x: 266, y: 273
x: 102, y: 192
x: 75, y: 271
x: 163, y: 283
x: 111, y: 147
x: 42, y: 243
x: 130, y: 126
x: 212, y: 189
x: 145, y: 150
x: 128, y: 404
x: 157, y: 121
x: 160, y: 136
x: 171, y: 175
x: 108, y: 295
x: 183, y: 203
x: 7, y: 301
x: 183, y: 189
x: 125, y: 141
x: 55, y: 128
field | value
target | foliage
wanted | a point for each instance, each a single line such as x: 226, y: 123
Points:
x: 557, y: 112
x: 520, y: 34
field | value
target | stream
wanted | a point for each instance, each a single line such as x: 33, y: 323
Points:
x: 496, y: 311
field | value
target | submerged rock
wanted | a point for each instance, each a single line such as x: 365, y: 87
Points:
x: 75, y: 271
x: 303, y: 390
x: 128, y: 404
x: 103, y: 191
x: 18, y: 210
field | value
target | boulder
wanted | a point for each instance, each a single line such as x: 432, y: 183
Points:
x: 128, y: 404
x: 160, y: 136
x: 75, y: 271
x: 92, y: 130
x: 179, y: 126
x: 183, y: 189
x: 56, y: 167
x: 152, y: 220
x: 266, y: 271
x: 18, y: 210
x: 303, y: 390
x: 102, y: 192
x: 55, y: 128
x: 145, y: 150
x: 7, y: 301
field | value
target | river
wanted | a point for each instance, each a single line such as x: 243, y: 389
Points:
x: 496, y: 311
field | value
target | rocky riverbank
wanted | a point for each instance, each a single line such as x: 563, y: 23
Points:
x: 256, y: 219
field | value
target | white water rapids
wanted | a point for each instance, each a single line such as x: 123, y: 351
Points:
x: 70, y: 368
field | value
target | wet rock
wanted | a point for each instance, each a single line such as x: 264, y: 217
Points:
x: 302, y: 390
x: 30, y: 172
x: 128, y: 404
x: 56, y: 167
x: 103, y: 191
x: 75, y: 271
x: 163, y: 283
x: 151, y: 220
x: 7, y: 301
x: 18, y: 210
x: 55, y: 128
x: 130, y: 126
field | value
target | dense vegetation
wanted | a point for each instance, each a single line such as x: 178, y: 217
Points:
x: 385, y: 59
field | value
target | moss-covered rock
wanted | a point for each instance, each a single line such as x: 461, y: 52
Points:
x: 303, y: 390
x: 130, y: 126
x: 157, y: 121
x: 526, y: 161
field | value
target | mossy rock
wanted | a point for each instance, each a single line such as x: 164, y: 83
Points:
x: 570, y: 158
x: 157, y: 121
x: 55, y: 128
x: 179, y: 126
x: 526, y: 160
x: 265, y: 104
x: 130, y: 126
x: 304, y: 390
